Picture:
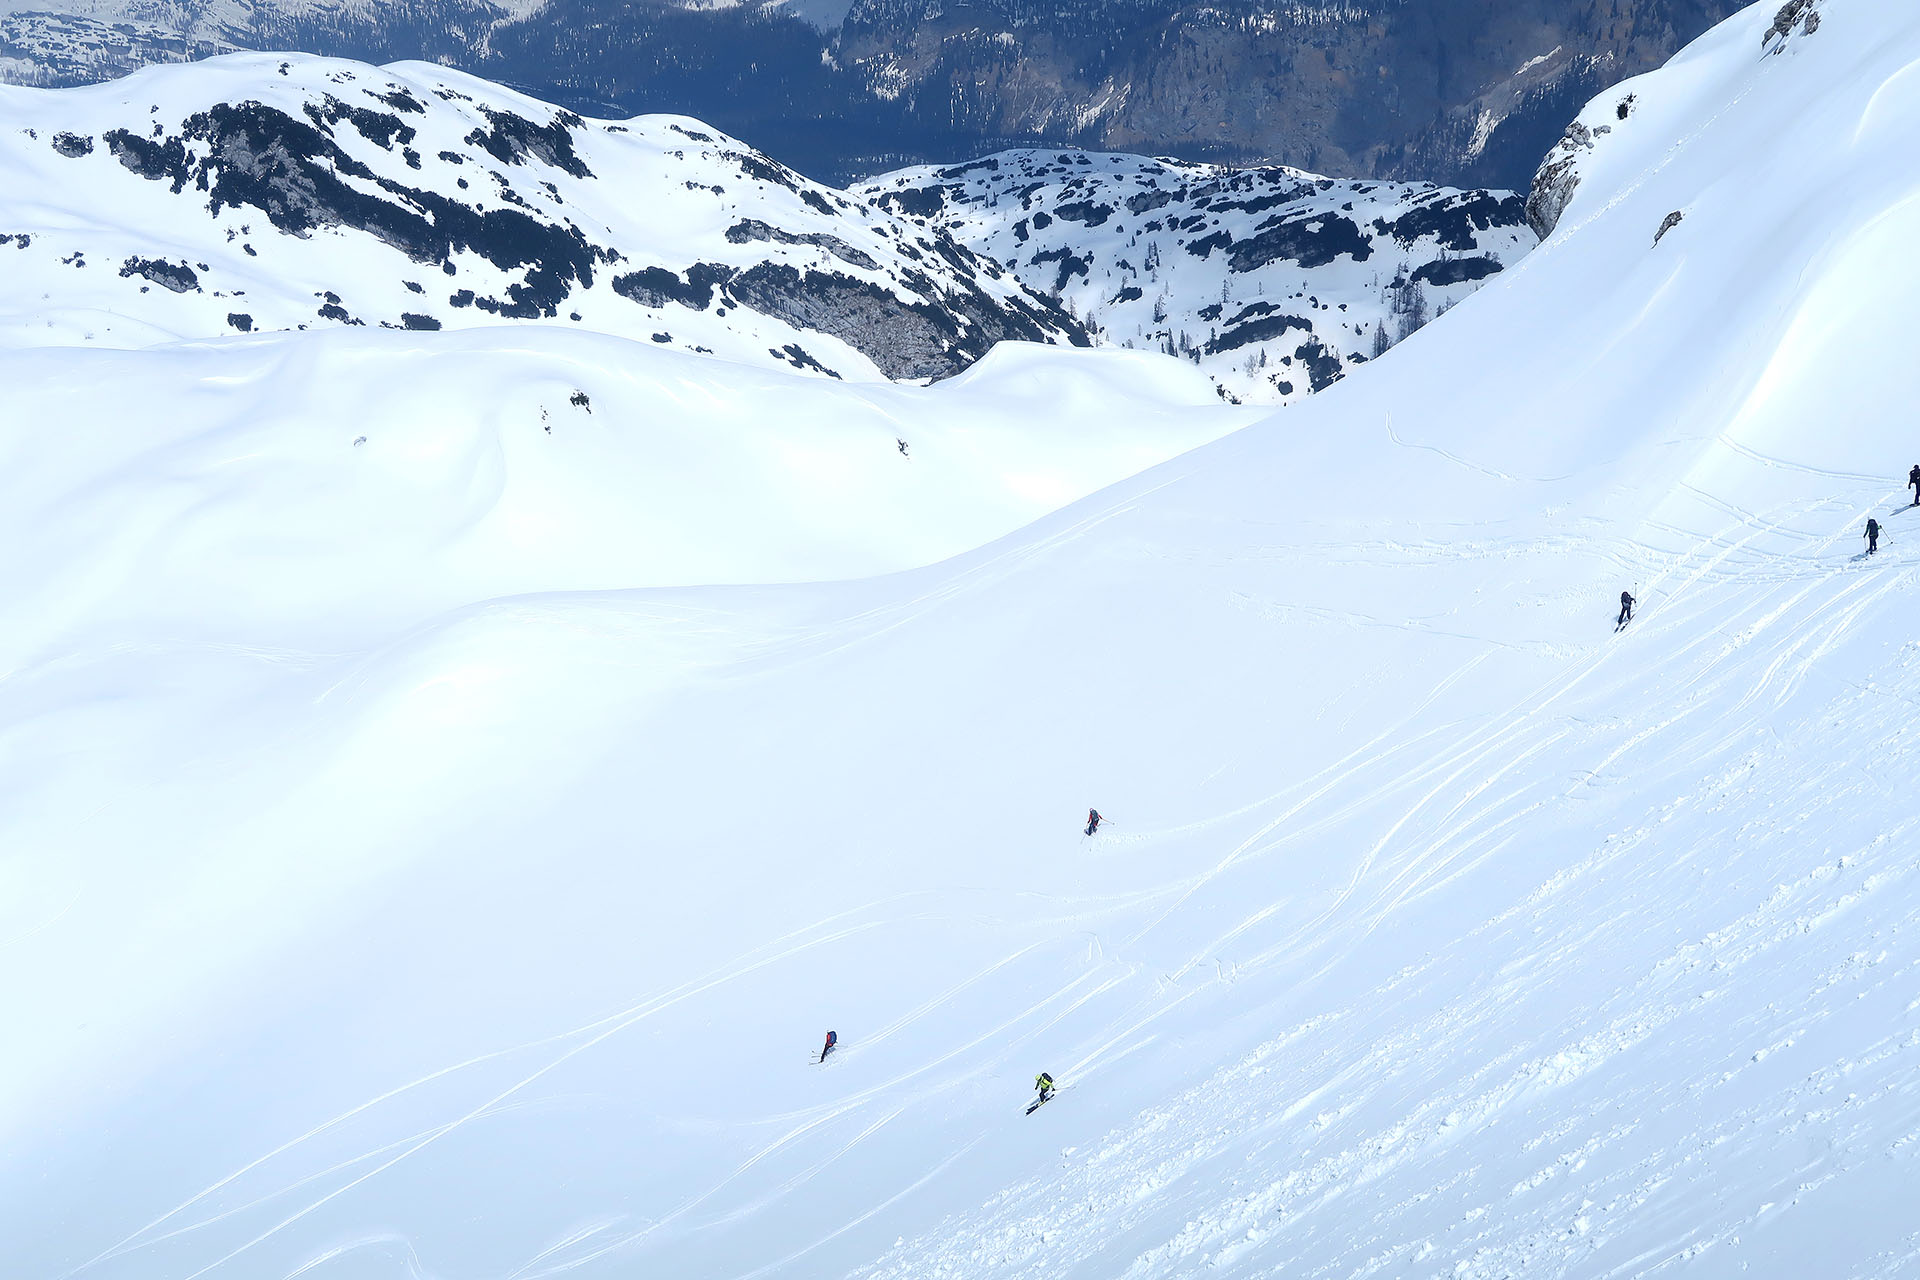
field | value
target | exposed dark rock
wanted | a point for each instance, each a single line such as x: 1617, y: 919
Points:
x: 1322, y: 365
x: 155, y: 160
x: 1071, y: 265
x: 263, y: 158
x: 1558, y: 176
x: 797, y: 356
x: 398, y: 99
x: 1205, y: 245
x: 904, y: 339
x: 915, y: 202
x: 657, y: 286
x: 72, y: 145
x: 511, y: 139
x: 1260, y: 322
x: 1454, y: 220
x: 752, y: 229
x: 179, y: 278
x: 1310, y: 239
x: 1789, y: 13
x: 376, y: 127
x: 1445, y: 271
x: 1091, y: 212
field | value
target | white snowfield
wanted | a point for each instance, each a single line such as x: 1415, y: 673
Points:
x: 1437, y: 930
x: 342, y: 484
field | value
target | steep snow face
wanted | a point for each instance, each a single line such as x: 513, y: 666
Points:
x: 1274, y: 281
x: 1588, y: 142
x: 1437, y: 929
x: 251, y: 192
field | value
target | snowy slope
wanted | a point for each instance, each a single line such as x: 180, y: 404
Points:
x: 254, y: 192
x: 1275, y: 281
x: 1438, y: 931
x: 346, y: 483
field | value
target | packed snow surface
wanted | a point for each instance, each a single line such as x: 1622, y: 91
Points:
x: 1437, y: 929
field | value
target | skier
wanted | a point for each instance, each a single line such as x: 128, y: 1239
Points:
x: 832, y: 1040
x: 1626, y: 611
x: 903, y: 449
x: 1044, y: 1083
x: 1913, y: 482
x: 1873, y: 535
x: 1093, y: 821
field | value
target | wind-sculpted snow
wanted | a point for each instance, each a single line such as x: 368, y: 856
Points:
x: 299, y: 191
x: 390, y: 893
x: 1274, y: 281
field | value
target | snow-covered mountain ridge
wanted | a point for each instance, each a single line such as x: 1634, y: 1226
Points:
x: 253, y: 192
x: 1274, y: 281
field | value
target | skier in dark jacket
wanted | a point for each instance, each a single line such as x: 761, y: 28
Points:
x: 1093, y: 821
x: 1626, y: 611
x: 1873, y: 535
x: 832, y: 1040
x: 1913, y: 482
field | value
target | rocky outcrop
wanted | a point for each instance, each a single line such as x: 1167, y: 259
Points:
x: 1554, y: 182
x: 1803, y: 13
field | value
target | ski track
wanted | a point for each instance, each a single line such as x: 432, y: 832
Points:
x: 1455, y: 818
x: 1801, y: 615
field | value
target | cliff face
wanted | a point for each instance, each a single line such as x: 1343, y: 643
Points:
x: 1459, y: 91
x: 1462, y: 92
